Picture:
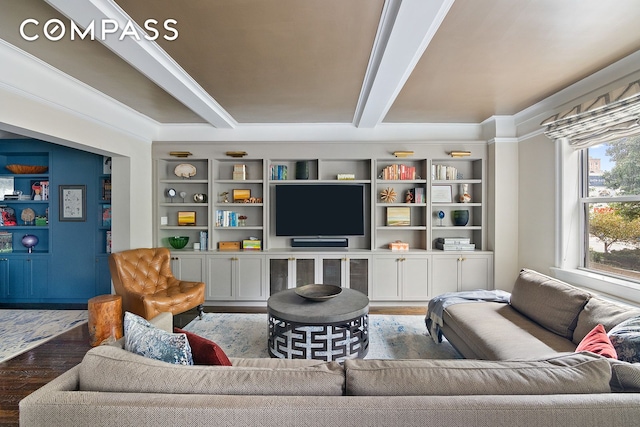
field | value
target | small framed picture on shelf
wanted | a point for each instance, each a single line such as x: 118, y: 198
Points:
x: 186, y: 218
x: 73, y: 202
x: 398, y: 216
x: 241, y: 195
x: 441, y: 194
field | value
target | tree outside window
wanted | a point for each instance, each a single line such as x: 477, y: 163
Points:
x: 611, y: 200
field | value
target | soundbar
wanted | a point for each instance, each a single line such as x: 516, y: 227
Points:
x: 319, y: 242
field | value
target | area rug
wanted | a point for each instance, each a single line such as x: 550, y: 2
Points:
x: 390, y: 337
x: 22, y: 330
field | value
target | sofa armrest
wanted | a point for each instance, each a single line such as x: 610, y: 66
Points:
x: 163, y: 321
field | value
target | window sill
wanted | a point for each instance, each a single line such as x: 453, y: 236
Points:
x: 618, y: 289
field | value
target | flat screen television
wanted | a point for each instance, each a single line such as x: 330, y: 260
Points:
x: 316, y: 210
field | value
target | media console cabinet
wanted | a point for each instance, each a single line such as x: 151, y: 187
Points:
x: 407, y: 199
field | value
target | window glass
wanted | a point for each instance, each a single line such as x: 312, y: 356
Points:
x: 611, y: 203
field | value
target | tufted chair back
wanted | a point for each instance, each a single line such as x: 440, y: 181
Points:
x: 144, y: 279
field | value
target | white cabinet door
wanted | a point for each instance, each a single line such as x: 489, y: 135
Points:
x: 461, y: 272
x: 188, y: 267
x: 475, y: 272
x: 415, y: 278
x: 386, y: 278
x: 250, y: 278
x: 221, y: 274
x: 236, y: 277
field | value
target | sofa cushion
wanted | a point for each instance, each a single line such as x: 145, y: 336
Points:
x: 110, y: 369
x: 143, y: 338
x: 607, y: 313
x: 550, y: 302
x: 204, y: 351
x: 598, y: 342
x: 625, y: 337
x: 579, y: 373
x: 496, y: 331
x: 625, y: 376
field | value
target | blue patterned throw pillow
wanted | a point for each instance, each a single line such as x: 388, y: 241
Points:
x: 142, y: 338
x: 625, y: 337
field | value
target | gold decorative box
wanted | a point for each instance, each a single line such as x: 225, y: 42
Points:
x: 186, y: 218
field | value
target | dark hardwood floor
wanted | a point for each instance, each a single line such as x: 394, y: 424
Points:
x: 31, y: 370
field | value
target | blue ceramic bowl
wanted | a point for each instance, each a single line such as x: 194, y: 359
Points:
x: 461, y: 217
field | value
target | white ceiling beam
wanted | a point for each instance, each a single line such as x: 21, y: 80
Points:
x: 147, y: 57
x: 406, y: 29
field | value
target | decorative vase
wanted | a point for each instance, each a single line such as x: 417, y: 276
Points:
x: 464, y: 196
x: 29, y: 241
x: 460, y: 217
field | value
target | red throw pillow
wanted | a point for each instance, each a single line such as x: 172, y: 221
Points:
x: 204, y: 351
x: 598, y: 342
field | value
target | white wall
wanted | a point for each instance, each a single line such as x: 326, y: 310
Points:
x: 536, y: 204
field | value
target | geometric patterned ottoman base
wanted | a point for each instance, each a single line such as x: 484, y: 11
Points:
x: 332, y: 341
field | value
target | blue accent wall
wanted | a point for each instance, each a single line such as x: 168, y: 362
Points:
x: 74, y: 251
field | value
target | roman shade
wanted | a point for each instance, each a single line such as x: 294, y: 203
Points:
x: 612, y: 115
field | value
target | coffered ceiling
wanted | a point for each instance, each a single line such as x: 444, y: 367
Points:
x: 362, y: 62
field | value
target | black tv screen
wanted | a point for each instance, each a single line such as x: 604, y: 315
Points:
x: 312, y: 210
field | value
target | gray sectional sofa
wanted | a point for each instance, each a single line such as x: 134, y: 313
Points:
x: 114, y: 387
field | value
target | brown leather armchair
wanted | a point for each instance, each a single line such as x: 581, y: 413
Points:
x: 144, y: 279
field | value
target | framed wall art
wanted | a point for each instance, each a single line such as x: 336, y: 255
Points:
x: 72, y: 202
x: 398, y: 216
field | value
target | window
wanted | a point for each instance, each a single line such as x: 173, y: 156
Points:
x: 610, y: 202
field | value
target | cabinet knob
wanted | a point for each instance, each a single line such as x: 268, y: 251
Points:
x: 461, y: 259
x: 292, y: 259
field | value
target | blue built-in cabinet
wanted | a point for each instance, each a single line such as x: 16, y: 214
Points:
x: 69, y: 264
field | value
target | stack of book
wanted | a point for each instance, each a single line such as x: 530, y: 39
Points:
x: 398, y: 172
x: 226, y: 218
x: 455, y: 244
x: 278, y: 172
x: 444, y: 173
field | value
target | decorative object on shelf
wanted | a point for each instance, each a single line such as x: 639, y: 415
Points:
x: 346, y: 176
x: 41, y: 221
x: 37, y: 190
x: 183, y: 195
x: 239, y: 172
x: 28, y: 216
x: 106, y: 165
x: 178, y: 242
x: 388, y: 195
x: 403, y: 153
x: 200, y: 198
x: 441, y: 194
x: 398, y: 216
x: 241, y: 195
x: 302, y: 169
x: 29, y: 241
x: 186, y: 218
x: 242, y: 220
x: 180, y: 153
x: 278, y: 172
x: 318, y: 292
x: 440, y: 217
x: 185, y: 170
x: 253, y: 200
x: 6, y: 241
x: 464, y: 196
x: 459, y: 153
x: 73, y: 203
x: 409, y: 197
x: 460, y: 217
x: 399, y: 246
x: 26, y: 169
x: 171, y: 193
x: 236, y: 154
x: 225, y: 197
x: 105, y: 184
x: 252, y: 243
x: 7, y: 216
x: 229, y: 246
